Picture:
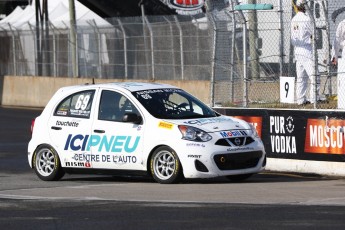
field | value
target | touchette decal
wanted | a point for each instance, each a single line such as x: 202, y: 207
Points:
x: 325, y: 136
x: 67, y: 123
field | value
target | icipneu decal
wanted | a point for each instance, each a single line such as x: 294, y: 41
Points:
x: 115, y: 144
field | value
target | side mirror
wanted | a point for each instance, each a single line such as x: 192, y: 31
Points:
x: 132, y: 118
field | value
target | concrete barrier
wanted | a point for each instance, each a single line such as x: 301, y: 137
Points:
x: 305, y: 141
x: 29, y: 91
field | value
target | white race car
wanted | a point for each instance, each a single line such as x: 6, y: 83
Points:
x: 140, y: 127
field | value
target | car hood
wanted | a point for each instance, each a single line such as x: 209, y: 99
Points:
x: 214, y: 124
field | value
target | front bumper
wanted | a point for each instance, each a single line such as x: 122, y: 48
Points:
x: 209, y: 161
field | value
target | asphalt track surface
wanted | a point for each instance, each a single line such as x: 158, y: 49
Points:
x: 269, y: 200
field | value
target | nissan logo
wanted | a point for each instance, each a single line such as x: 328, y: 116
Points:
x: 237, y: 141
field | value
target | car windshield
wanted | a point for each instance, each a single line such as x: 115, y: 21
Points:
x: 173, y: 104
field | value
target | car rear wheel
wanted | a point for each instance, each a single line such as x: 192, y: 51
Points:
x: 47, y: 164
x: 165, y: 166
x: 238, y: 178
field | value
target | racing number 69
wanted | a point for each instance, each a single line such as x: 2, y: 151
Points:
x: 82, y: 102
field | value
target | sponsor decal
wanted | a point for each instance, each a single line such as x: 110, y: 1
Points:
x: 207, y: 121
x: 233, y: 133
x: 281, y: 130
x: 325, y: 136
x: 186, y: 7
x: 195, y: 145
x: 124, y: 159
x: 61, y: 112
x: 67, y: 123
x: 255, y: 121
x: 84, y: 159
x: 83, y: 113
x: 194, y: 156
x: 240, y: 149
x: 165, y: 125
x: 147, y: 94
x: 78, y: 164
x: 103, y: 143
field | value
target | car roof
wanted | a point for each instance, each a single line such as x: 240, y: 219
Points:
x: 130, y: 86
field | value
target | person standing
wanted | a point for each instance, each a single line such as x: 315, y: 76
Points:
x: 339, y: 44
x: 301, y: 39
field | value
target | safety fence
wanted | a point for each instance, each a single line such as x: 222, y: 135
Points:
x: 243, y: 54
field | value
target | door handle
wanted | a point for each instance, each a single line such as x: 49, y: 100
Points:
x: 56, y: 128
x: 99, y: 131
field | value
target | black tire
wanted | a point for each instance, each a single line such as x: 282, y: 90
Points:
x: 165, y: 166
x: 47, y: 164
x: 239, y: 178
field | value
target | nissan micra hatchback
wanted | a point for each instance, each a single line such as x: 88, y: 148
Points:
x: 140, y: 127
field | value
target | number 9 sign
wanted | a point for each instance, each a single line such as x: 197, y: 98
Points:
x: 287, y: 89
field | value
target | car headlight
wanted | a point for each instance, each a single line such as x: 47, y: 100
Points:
x: 194, y: 134
x: 255, y: 133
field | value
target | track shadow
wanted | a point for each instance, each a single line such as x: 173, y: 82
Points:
x: 264, y: 177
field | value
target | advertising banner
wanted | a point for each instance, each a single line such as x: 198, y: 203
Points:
x: 186, y: 7
x: 297, y: 134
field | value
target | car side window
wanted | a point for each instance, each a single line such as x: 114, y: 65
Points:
x: 76, y: 105
x: 114, y: 105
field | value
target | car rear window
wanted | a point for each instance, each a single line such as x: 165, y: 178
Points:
x: 76, y: 105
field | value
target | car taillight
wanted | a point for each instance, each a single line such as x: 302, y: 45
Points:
x: 32, y: 125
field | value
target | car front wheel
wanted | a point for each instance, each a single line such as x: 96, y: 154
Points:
x: 165, y: 166
x: 47, y: 164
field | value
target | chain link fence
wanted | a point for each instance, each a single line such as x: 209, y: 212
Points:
x: 242, y: 53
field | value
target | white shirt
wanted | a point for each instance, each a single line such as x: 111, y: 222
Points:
x: 339, y: 41
x: 301, y: 34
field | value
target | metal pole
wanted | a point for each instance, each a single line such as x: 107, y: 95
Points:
x: 325, y: 8
x: 253, y: 31
x: 232, y: 55
x: 14, y: 51
x: 152, y: 49
x: 172, y: 47
x: 315, y: 62
x: 281, y: 45
x: 124, y: 48
x: 35, y: 47
x: 245, y: 77
x: 73, y: 38
x: 38, y: 37
x: 46, y: 38
x: 181, y: 47
x: 54, y: 51
x: 212, y: 86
